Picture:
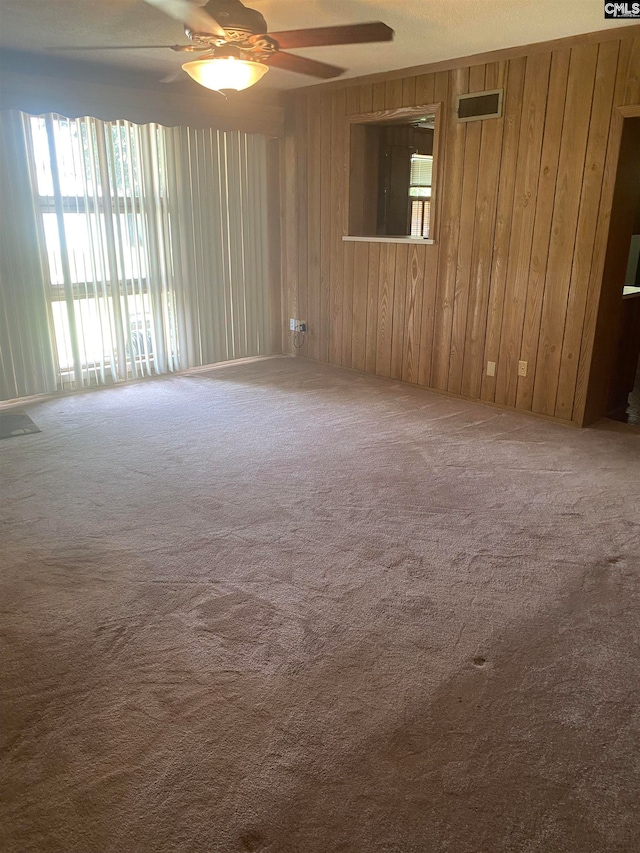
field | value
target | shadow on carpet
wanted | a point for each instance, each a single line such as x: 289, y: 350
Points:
x: 16, y: 423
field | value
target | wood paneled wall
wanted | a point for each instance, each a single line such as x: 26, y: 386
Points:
x: 516, y: 268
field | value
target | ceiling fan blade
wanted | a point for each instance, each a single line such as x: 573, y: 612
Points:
x: 302, y: 65
x: 189, y: 48
x: 190, y: 14
x: 319, y: 36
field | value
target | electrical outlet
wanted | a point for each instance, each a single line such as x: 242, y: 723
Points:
x: 292, y: 325
x: 491, y: 368
x: 297, y: 325
x: 522, y: 368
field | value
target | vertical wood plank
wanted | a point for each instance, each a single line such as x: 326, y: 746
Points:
x: 289, y: 193
x: 360, y: 279
x: 378, y: 95
x: 399, y: 298
x: 413, y: 313
x: 442, y: 82
x: 502, y: 232
x: 556, y: 98
x: 352, y: 108
x: 409, y: 92
x: 536, y: 86
x: 373, y: 273
x: 386, y: 282
x: 338, y: 214
x: 314, y: 226
x: 325, y: 225
x: 432, y: 253
x: 449, y: 231
x: 366, y: 98
x: 275, y: 235
x: 587, y: 223
x: 347, y: 302
x: 393, y: 94
x: 302, y: 164
x: 352, y: 100
x: 465, y: 247
x: 479, y: 276
x: 632, y: 83
x: 582, y: 68
x: 429, y: 289
x: 425, y: 84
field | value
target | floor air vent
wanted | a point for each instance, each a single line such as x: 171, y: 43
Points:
x: 479, y: 105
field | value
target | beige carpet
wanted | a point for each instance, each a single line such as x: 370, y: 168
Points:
x: 284, y: 607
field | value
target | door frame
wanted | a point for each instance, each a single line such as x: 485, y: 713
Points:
x: 600, y: 333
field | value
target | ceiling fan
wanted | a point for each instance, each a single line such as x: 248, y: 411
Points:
x: 238, y: 49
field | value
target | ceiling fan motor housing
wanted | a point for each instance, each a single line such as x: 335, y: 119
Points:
x: 232, y: 14
x: 234, y: 18
x: 245, y: 28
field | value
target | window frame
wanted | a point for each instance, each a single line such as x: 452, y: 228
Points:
x: 357, y: 189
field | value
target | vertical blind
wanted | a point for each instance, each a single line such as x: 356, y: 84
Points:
x: 135, y: 250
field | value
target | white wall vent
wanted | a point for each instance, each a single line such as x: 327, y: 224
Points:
x: 479, y: 105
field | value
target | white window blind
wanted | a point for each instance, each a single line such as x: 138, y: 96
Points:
x: 421, y: 168
x: 151, y: 247
x: 420, y: 194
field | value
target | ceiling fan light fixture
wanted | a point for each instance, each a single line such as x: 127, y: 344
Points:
x: 225, y: 72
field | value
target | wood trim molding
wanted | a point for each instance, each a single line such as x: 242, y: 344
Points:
x: 610, y: 34
x: 417, y: 241
x: 630, y: 111
x: 390, y: 115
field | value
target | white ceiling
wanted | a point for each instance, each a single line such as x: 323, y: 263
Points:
x: 425, y: 30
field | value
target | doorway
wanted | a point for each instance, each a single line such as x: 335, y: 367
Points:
x: 614, y: 384
x: 623, y: 403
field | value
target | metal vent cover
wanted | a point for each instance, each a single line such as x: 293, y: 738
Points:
x: 479, y: 105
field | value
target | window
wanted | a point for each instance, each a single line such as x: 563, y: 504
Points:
x: 135, y: 250
x: 89, y: 194
x: 392, y: 173
x: 420, y: 194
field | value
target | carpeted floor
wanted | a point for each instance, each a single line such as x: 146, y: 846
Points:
x: 284, y: 607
